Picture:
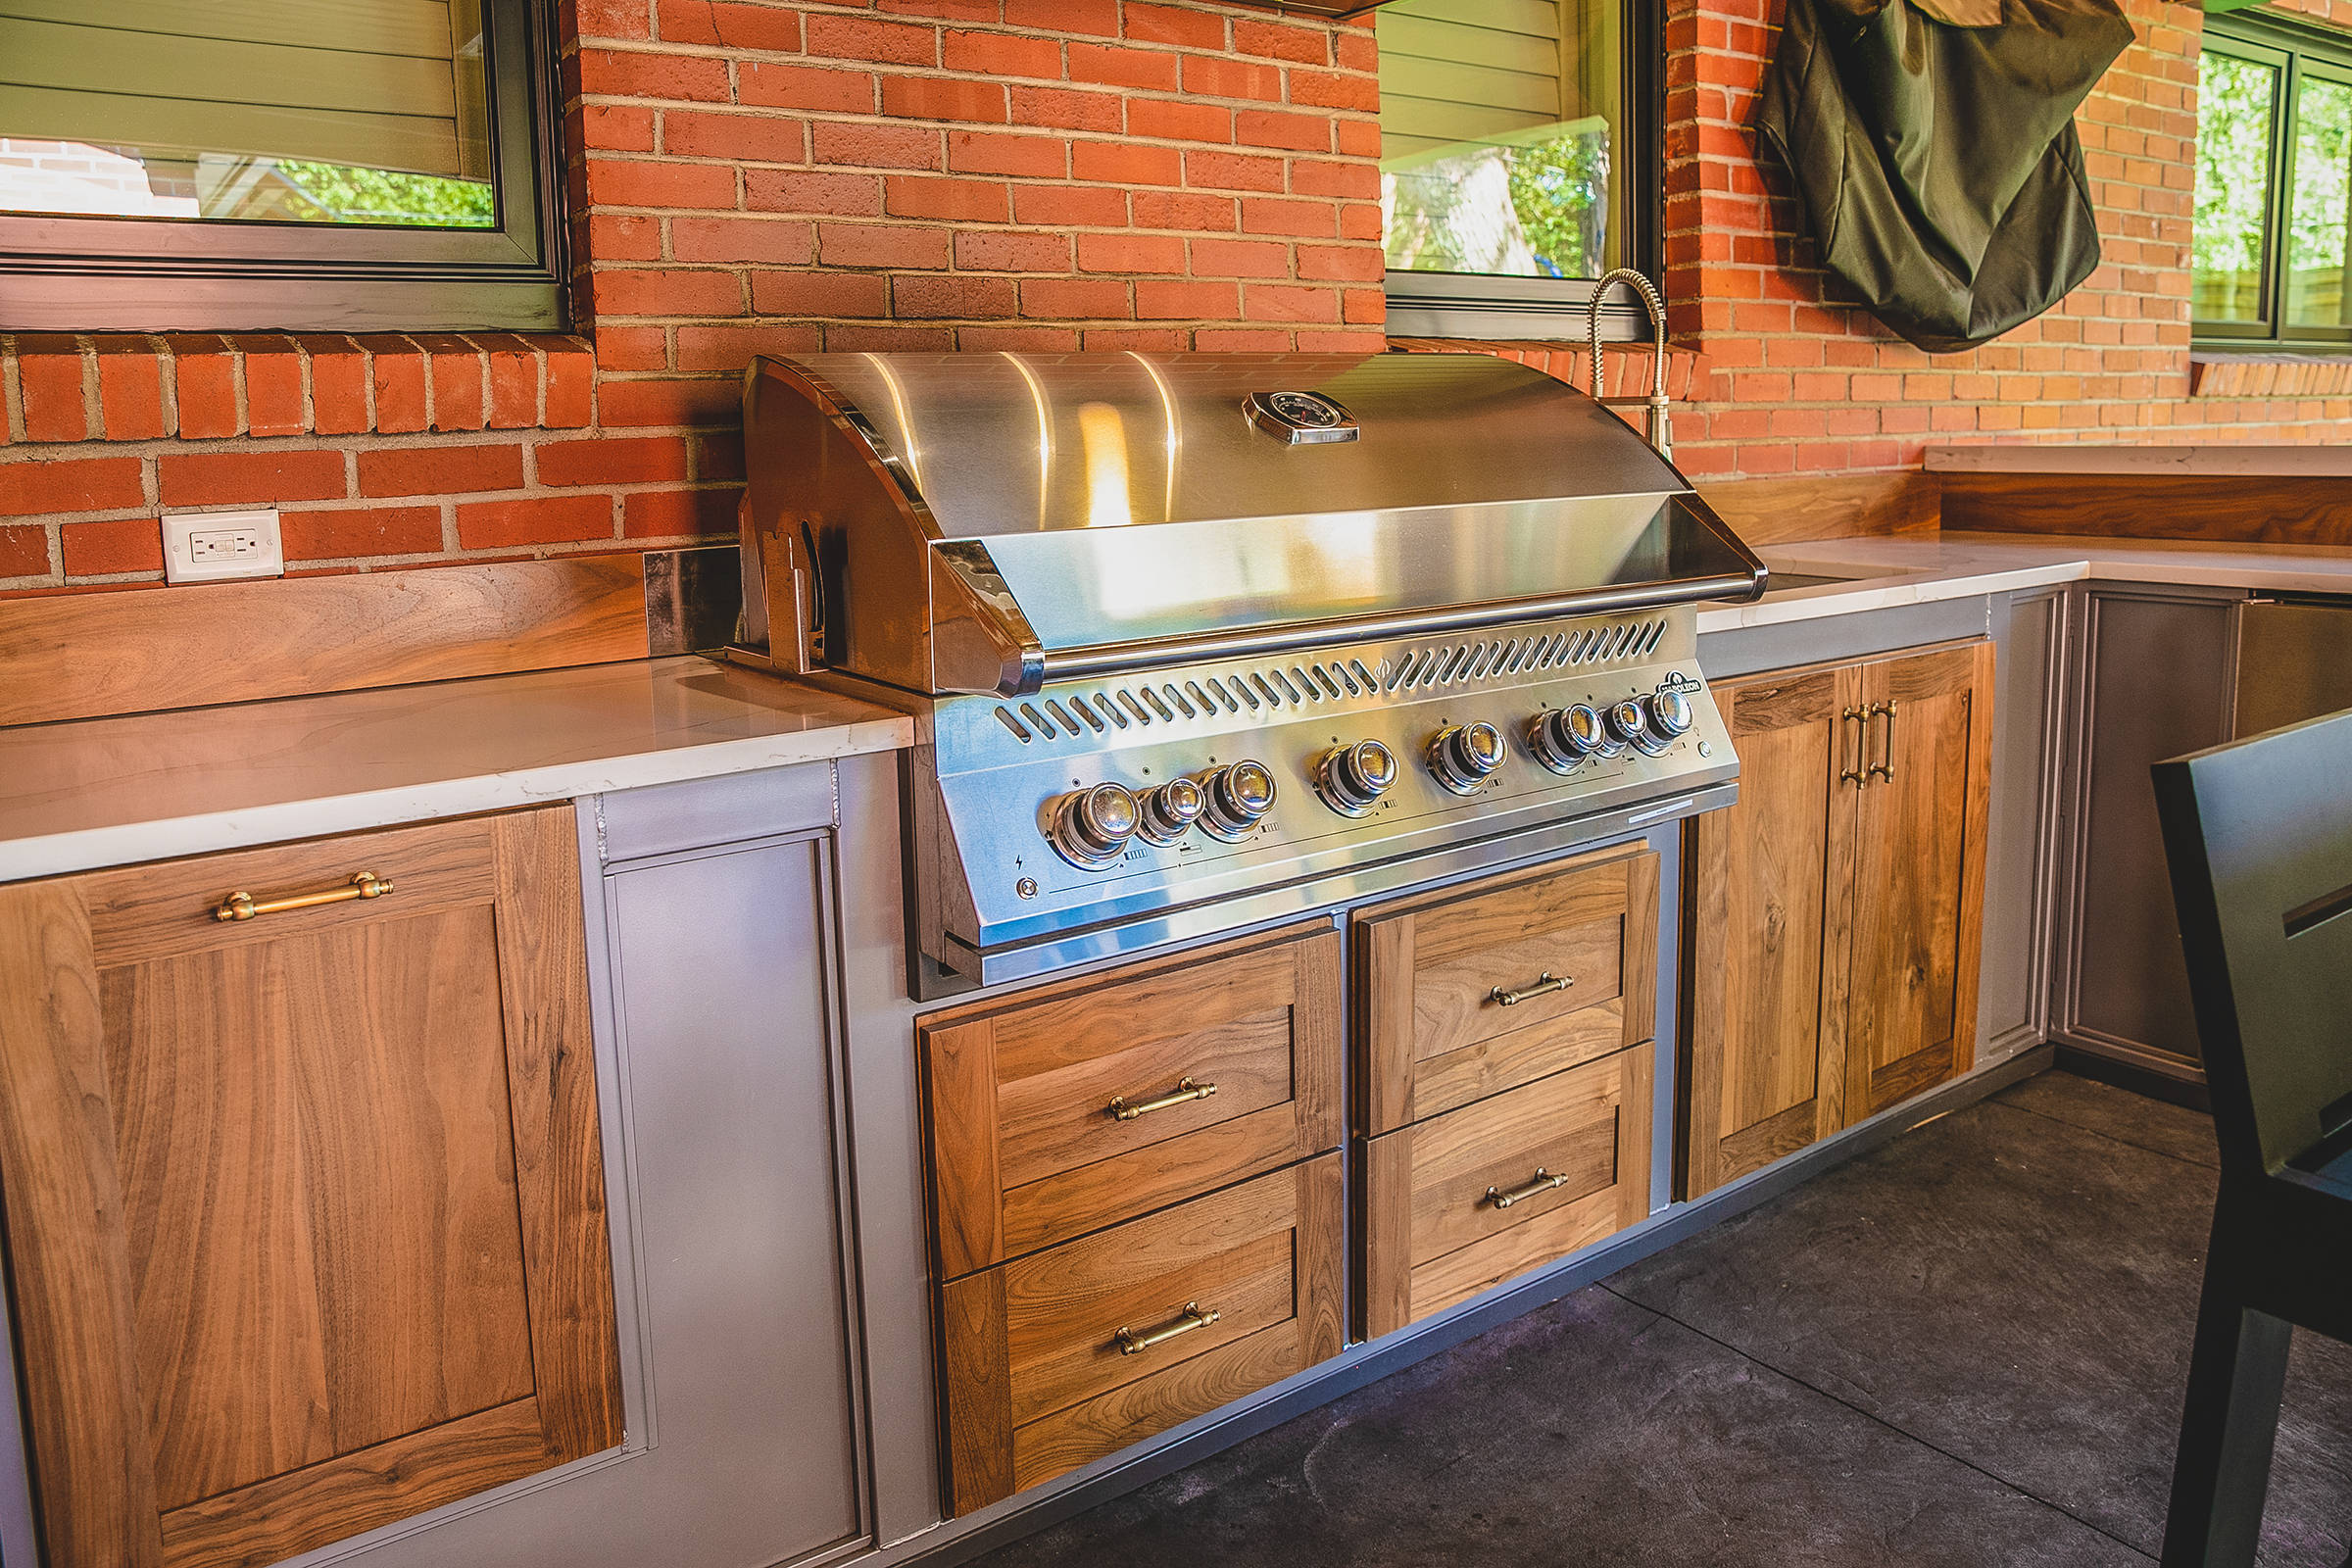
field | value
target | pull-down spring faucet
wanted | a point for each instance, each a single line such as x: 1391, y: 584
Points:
x: 1660, y: 426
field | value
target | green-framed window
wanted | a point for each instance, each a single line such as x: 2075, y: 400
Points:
x: 2272, y: 260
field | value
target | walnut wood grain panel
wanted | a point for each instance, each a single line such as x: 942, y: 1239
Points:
x: 1918, y: 898
x: 1755, y: 1147
x: 1765, y: 885
x: 80, y: 656
x: 1084, y: 1433
x: 1030, y: 1351
x: 1435, y: 1038
x: 68, y: 1256
x: 1024, y: 1150
x: 559, y: 1149
x: 1062, y: 1206
x: 2265, y: 509
x: 1590, y: 1122
x: 976, y: 1391
x: 278, y: 1518
x: 960, y: 1095
x: 1060, y: 1360
x: 165, y: 910
x: 1772, y: 511
x: 1050, y: 1122
x: 350, y: 1155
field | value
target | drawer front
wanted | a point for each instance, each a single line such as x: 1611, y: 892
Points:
x: 1462, y: 990
x: 1094, y: 1101
x: 1053, y: 1360
x: 1434, y: 1233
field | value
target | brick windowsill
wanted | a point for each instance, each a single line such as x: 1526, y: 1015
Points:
x: 2221, y: 374
x: 64, y: 387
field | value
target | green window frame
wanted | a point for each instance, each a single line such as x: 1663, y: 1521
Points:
x: 64, y: 272
x: 2271, y: 258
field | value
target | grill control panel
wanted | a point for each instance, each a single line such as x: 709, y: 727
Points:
x: 1370, y: 754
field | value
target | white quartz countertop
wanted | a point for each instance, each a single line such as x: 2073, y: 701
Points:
x: 1882, y: 572
x: 152, y: 786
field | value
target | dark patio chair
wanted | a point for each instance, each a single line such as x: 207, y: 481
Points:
x: 2259, y: 835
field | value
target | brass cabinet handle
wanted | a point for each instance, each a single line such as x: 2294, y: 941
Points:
x: 1855, y: 716
x: 1194, y: 1317
x: 1519, y: 1194
x: 241, y: 906
x: 1883, y: 769
x: 1546, y: 983
x: 1185, y: 1090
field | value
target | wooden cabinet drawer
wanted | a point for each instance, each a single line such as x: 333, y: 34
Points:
x: 1039, y: 1379
x: 1435, y: 1235
x: 1439, y: 969
x: 1027, y: 1144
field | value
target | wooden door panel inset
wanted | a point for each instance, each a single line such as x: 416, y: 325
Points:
x: 1033, y: 1370
x: 1438, y: 1036
x: 384, y: 1177
x: 1024, y: 1149
x: 1435, y: 1236
x: 1918, y: 892
x: 320, y: 1192
x: 1053, y: 1121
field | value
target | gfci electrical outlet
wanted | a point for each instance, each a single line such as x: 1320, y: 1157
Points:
x: 208, y: 546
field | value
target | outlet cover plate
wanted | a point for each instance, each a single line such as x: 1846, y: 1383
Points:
x: 211, y: 546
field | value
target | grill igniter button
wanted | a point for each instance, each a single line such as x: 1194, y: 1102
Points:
x: 1561, y: 738
x: 1351, y: 778
x: 1169, y: 810
x: 1630, y: 722
x: 1463, y: 756
x: 1092, y: 827
x: 1237, y: 796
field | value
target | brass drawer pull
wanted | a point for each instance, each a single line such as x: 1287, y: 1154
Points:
x: 1546, y: 984
x: 1185, y: 1090
x: 1861, y: 716
x: 1883, y: 769
x: 1520, y: 1194
x: 241, y: 907
x: 1194, y: 1317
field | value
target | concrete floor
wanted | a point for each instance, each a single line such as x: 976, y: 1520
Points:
x: 1965, y: 1347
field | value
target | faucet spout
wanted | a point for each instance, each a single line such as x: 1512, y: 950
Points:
x: 1660, y: 427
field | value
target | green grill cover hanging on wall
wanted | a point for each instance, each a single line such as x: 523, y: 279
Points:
x: 1934, y: 146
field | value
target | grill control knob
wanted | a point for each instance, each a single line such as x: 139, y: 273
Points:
x: 1169, y: 810
x: 1464, y: 756
x: 1092, y: 827
x: 1670, y: 713
x: 1237, y: 796
x: 1349, y: 778
x: 1560, y: 738
x: 1629, y: 721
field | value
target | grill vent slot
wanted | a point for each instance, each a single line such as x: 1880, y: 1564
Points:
x: 1296, y: 685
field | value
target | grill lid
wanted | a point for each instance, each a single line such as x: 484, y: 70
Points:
x: 986, y: 522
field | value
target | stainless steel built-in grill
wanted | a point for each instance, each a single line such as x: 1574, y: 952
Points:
x: 1204, y: 640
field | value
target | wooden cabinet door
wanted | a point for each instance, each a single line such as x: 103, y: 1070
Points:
x: 306, y: 1213
x: 1770, y: 910
x: 1919, y: 879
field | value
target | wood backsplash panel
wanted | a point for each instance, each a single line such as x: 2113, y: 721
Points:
x: 2237, y: 508
x: 85, y: 656
x: 1774, y: 512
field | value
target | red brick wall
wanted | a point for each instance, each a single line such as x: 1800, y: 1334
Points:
x: 1795, y: 379
x: 970, y: 174
x: 1050, y: 175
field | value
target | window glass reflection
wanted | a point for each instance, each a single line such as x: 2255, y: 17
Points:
x: 2319, y: 225
x: 2235, y: 101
